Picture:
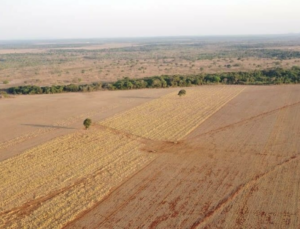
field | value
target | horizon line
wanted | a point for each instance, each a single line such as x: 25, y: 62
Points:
x: 147, y: 37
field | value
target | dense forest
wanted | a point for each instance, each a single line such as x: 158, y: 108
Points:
x: 258, y: 77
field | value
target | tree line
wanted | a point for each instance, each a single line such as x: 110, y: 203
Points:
x: 257, y: 77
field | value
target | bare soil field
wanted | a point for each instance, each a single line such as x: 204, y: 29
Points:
x: 219, y: 157
x: 11, y: 51
x: 239, y: 169
x: 31, y: 120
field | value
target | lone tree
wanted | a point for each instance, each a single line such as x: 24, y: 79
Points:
x: 181, y: 92
x: 87, y: 122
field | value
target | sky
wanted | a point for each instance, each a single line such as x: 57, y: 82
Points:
x: 64, y: 19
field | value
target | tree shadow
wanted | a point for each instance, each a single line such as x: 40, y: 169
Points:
x: 49, y: 126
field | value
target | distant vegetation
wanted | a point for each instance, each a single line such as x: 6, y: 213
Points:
x: 257, y: 53
x: 257, y: 77
x: 87, y: 61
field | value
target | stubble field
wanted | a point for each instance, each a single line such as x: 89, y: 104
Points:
x: 219, y: 157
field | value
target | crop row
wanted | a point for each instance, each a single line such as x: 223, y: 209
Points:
x: 172, y: 117
x: 50, y: 185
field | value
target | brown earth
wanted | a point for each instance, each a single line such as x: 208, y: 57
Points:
x: 239, y: 169
x: 49, y: 185
x: 11, y: 51
x: 28, y: 121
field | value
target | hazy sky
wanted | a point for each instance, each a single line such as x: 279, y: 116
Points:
x: 47, y: 19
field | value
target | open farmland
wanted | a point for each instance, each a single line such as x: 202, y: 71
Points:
x: 218, y: 157
x: 32, y: 120
x: 239, y: 169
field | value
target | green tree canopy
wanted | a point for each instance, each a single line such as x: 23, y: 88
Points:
x: 181, y: 92
x: 87, y: 123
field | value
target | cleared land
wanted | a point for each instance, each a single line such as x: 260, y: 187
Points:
x: 86, y: 165
x: 239, y: 169
x: 155, y: 166
x: 31, y: 120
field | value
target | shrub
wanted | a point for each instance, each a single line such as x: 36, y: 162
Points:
x: 87, y: 123
x: 181, y: 92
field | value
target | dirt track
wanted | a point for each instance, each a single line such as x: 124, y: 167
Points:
x: 239, y: 169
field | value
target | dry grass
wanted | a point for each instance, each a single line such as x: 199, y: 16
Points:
x: 64, y: 177
x: 172, y: 117
x: 50, y: 185
x: 239, y: 169
x: 107, y: 70
x: 85, y: 63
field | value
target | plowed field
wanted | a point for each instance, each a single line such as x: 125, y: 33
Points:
x: 219, y: 157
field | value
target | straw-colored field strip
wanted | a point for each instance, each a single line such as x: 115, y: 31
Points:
x: 50, y: 185
x: 64, y: 177
x: 239, y: 169
x: 172, y: 117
